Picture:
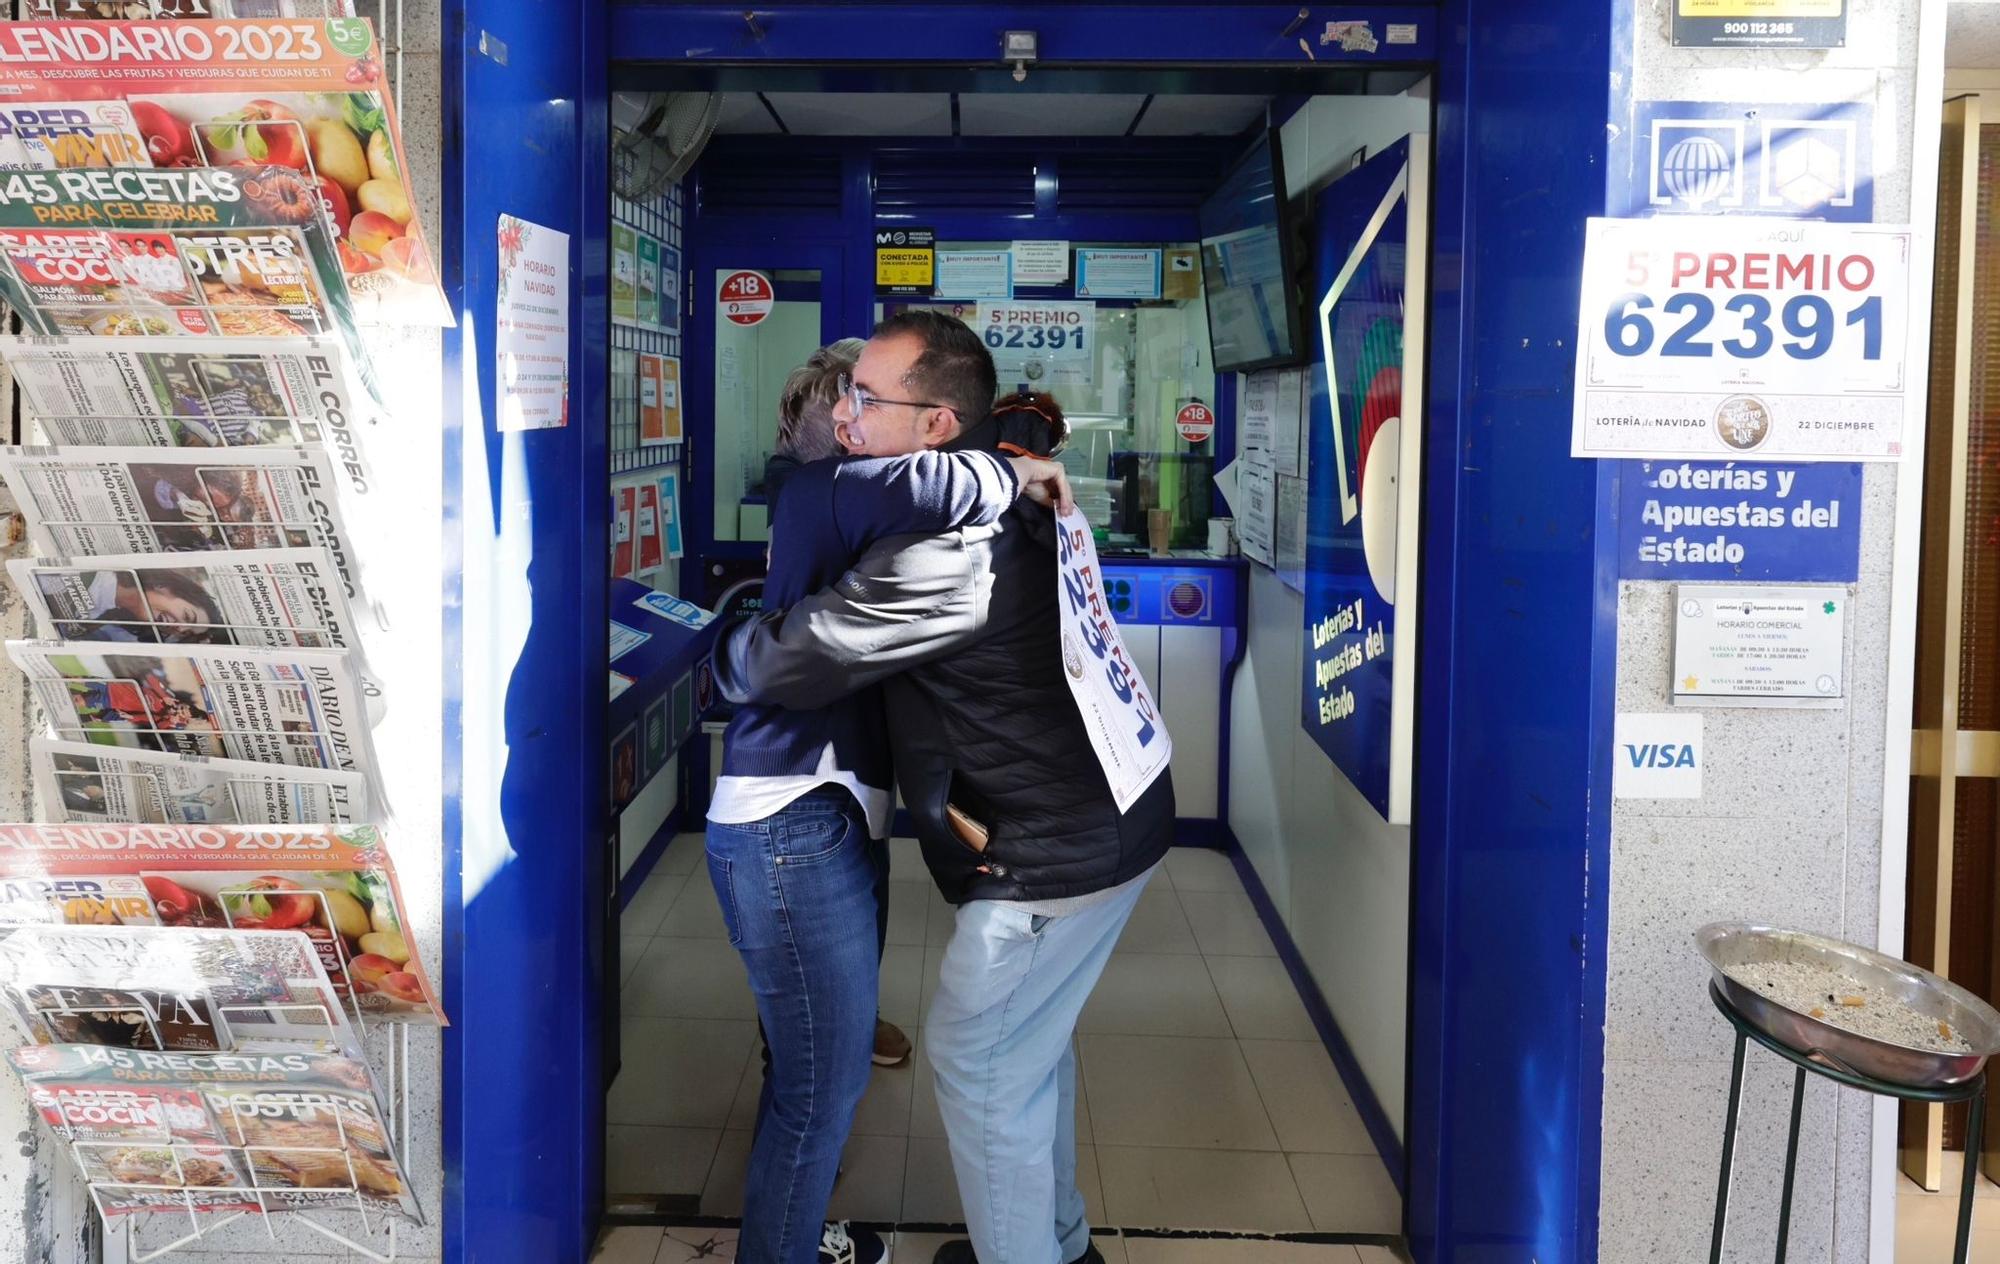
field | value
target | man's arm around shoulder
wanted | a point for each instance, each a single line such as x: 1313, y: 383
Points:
x: 909, y: 600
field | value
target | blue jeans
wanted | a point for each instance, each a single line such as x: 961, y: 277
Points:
x: 798, y: 893
x: 999, y: 1038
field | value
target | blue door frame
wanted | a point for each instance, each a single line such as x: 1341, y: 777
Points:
x: 526, y: 808
x: 1511, y: 850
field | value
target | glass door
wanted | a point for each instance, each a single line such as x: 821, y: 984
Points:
x: 767, y: 319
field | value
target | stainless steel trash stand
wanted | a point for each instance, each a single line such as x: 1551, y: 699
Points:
x: 1972, y: 1090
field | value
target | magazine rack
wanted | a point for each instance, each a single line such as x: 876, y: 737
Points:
x: 375, y: 1238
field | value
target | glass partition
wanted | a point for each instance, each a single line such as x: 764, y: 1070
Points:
x: 758, y: 341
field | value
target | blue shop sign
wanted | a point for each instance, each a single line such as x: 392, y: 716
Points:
x: 1695, y: 520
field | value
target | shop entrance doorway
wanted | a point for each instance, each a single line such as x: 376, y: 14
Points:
x: 1495, y: 1075
x: 1262, y: 988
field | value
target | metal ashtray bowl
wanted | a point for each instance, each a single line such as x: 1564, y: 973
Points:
x: 1734, y: 945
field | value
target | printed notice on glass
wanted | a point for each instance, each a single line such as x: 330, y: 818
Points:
x: 1125, y: 726
x: 1759, y: 646
x: 970, y: 274
x: 1257, y: 514
x: 1741, y: 339
x: 1118, y: 274
x: 531, y: 333
x: 1041, y: 262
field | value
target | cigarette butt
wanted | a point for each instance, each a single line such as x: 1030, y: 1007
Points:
x: 1817, y: 1012
x: 1944, y: 1030
x: 1854, y: 1002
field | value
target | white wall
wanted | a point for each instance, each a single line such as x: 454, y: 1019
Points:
x: 1338, y: 873
x: 1790, y: 826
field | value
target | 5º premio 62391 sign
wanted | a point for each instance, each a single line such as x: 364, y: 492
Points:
x: 1741, y: 339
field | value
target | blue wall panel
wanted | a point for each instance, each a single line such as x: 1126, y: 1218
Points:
x: 526, y: 818
x: 1506, y: 1045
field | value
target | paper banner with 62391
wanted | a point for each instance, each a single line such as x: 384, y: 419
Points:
x: 1125, y: 726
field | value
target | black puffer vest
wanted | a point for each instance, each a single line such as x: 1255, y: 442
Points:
x: 994, y: 730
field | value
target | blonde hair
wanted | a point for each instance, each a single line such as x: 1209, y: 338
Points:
x: 805, y: 406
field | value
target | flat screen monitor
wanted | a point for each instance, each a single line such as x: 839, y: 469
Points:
x: 1249, y: 264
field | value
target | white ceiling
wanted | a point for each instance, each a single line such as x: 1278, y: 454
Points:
x: 863, y: 113
x: 1972, y: 36
x: 1201, y: 115
x: 1046, y: 114
x: 986, y: 114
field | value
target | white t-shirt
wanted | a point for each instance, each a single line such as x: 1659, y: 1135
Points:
x: 744, y: 800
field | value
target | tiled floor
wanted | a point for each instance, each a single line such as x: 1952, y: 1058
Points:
x: 1206, y: 1099
x: 707, y: 1246
x: 718, y: 1246
x: 1927, y: 1224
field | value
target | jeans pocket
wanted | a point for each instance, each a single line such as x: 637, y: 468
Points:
x: 804, y: 838
x: 719, y: 874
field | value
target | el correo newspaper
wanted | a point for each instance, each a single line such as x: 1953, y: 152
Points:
x: 173, y: 393
x: 83, y: 782
x: 92, y: 501
x: 335, y: 885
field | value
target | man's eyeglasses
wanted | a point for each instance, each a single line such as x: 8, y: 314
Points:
x: 859, y: 400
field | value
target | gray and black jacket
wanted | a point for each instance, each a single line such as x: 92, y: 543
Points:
x: 962, y: 631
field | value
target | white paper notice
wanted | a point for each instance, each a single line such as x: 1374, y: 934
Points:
x: 1289, y: 542
x: 531, y: 329
x: 968, y: 274
x: 1257, y: 511
x: 1125, y: 726
x: 1287, y: 424
x: 1759, y: 646
x: 1041, y: 262
x: 1260, y: 404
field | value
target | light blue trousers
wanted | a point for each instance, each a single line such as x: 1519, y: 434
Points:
x: 1000, y: 1037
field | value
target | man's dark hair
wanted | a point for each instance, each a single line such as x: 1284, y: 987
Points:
x: 955, y: 369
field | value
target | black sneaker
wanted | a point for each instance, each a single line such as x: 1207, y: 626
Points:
x: 839, y: 1244
x: 959, y: 1251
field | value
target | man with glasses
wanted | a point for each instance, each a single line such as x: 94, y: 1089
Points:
x: 1017, y: 821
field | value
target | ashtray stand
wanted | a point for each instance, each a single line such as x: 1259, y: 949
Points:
x: 1972, y: 1090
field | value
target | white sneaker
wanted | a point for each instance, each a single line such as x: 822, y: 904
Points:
x: 838, y: 1244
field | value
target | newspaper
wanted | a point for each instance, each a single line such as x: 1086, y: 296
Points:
x: 174, y: 393
x: 335, y: 885
x: 95, y: 501
x: 302, y: 106
x: 190, y: 991
x: 219, y: 1132
x: 270, y: 597
x: 271, y: 706
x: 81, y: 782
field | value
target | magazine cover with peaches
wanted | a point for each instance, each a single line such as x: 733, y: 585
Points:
x: 334, y: 885
x: 219, y: 1132
x: 299, y: 108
